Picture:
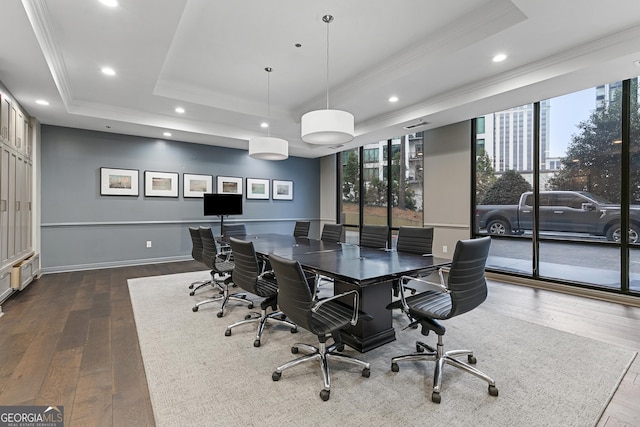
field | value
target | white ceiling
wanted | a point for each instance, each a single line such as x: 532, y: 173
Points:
x: 208, y: 56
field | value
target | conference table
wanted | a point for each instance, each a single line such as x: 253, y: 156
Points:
x: 369, y: 271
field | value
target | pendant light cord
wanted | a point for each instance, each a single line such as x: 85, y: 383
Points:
x: 268, y: 70
x: 328, y: 19
x: 328, y: 64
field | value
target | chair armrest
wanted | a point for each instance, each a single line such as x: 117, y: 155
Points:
x: 224, y: 255
x: 438, y: 287
x: 271, y: 275
x: 355, y: 304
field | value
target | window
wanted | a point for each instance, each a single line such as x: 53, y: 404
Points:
x: 579, y: 236
x: 391, y: 190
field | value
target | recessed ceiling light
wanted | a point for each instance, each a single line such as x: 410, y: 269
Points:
x: 499, y: 57
x: 108, y: 71
x: 393, y: 99
x: 167, y: 134
x: 110, y: 3
x: 264, y: 125
x: 179, y: 110
x: 42, y: 102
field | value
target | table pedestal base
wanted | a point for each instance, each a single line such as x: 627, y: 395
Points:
x: 376, y: 331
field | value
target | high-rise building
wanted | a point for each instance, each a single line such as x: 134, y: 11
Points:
x: 507, y: 137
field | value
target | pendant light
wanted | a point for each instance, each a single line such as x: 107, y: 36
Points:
x: 267, y: 147
x: 327, y: 126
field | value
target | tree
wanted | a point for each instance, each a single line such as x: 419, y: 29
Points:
x: 350, y: 179
x: 507, y: 189
x: 485, y: 176
x: 593, y: 157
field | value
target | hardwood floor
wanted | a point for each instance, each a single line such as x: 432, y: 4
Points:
x: 70, y: 339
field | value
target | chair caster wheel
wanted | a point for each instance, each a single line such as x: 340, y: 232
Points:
x: 324, y: 395
x: 340, y: 348
x: 419, y: 348
x: 276, y: 375
x: 435, y: 397
x: 395, y: 367
x: 250, y: 306
x: 227, y: 333
x: 493, y: 390
x: 256, y: 343
x: 220, y: 314
x: 294, y: 330
x: 247, y: 317
x: 366, y: 372
x: 472, y: 360
x: 191, y: 286
x: 283, y: 317
x: 194, y: 309
x: 294, y: 350
x: 192, y: 293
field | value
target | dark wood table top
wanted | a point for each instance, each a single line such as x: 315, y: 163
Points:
x: 347, y: 262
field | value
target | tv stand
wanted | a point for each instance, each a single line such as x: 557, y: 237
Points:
x: 221, y: 225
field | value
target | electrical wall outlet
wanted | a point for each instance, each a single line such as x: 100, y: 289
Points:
x: 148, y: 243
x: 445, y: 249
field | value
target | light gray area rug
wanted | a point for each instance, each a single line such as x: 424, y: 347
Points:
x: 198, y: 377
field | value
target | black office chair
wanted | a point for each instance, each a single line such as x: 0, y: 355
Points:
x: 302, y: 229
x: 221, y: 269
x: 331, y: 233
x: 464, y: 290
x: 415, y: 240
x: 249, y: 276
x: 374, y: 236
x: 323, y: 318
x: 235, y: 230
x: 196, y: 254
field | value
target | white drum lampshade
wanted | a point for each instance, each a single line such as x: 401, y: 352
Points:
x: 327, y: 127
x: 268, y: 148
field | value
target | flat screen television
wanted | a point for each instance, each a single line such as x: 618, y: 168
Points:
x: 222, y: 204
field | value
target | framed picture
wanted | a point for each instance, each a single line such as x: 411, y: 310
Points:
x: 229, y: 185
x: 118, y: 182
x: 196, y: 185
x: 282, y: 190
x: 257, y: 188
x: 160, y: 184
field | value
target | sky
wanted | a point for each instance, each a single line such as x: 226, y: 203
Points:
x: 565, y: 113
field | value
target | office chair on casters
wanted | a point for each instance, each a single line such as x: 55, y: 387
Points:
x: 331, y: 233
x: 464, y: 290
x: 414, y: 240
x: 374, y: 236
x: 196, y: 254
x: 301, y: 229
x: 249, y: 276
x: 323, y: 318
x: 221, y: 269
x: 237, y: 229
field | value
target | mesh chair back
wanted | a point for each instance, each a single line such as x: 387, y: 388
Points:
x: 466, y: 280
x: 374, y: 236
x: 415, y: 240
x: 247, y: 269
x: 196, y: 241
x: 301, y: 229
x: 331, y: 233
x: 239, y: 229
x: 294, y: 297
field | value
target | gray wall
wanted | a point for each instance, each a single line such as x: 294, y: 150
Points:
x: 81, y: 229
x: 447, y: 185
